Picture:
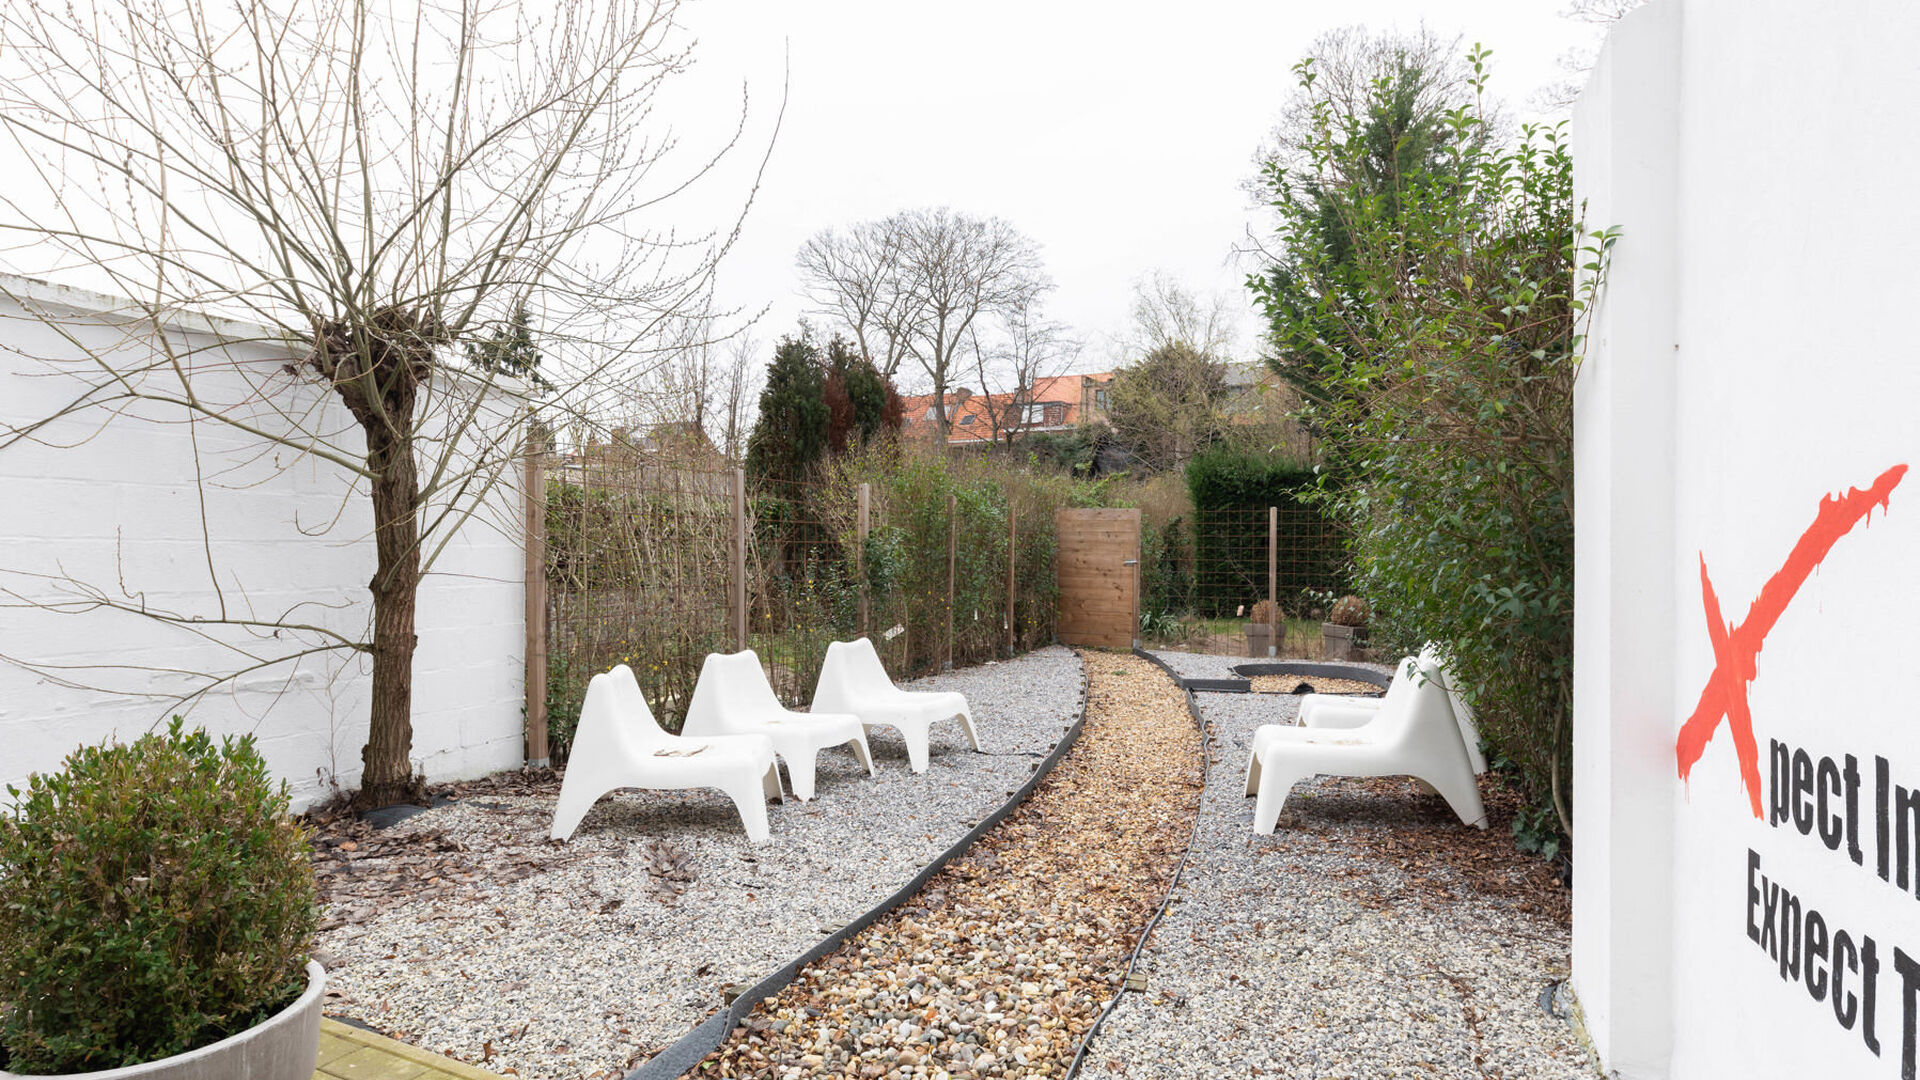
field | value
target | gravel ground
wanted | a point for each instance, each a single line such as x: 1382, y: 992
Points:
x: 1002, y: 962
x: 1371, y: 936
x: 464, y: 931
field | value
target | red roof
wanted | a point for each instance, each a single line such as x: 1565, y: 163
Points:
x: 1055, y: 403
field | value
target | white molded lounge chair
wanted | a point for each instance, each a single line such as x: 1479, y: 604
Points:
x: 854, y: 681
x: 733, y: 697
x: 1343, y: 711
x: 619, y: 745
x: 1413, y: 734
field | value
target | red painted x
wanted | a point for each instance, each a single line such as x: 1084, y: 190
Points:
x: 1737, y: 648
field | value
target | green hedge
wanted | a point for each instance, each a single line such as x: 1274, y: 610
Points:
x: 1231, y: 491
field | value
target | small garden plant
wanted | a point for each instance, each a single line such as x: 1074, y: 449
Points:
x: 1349, y: 611
x: 154, y: 897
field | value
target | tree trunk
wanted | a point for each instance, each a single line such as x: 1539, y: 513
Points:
x: 387, y: 776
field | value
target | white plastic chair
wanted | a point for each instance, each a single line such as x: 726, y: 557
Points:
x: 1412, y: 734
x: 1342, y: 711
x: 619, y: 745
x: 852, y: 680
x: 733, y: 697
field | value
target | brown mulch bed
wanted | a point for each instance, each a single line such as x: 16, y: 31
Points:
x: 1419, y: 834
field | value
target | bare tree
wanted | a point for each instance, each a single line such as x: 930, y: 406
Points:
x: 741, y: 390
x: 1165, y: 312
x: 856, y: 278
x: 1026, y: 349
x: 916, y: 284
x: 1558, y: 96
x: 377, y: 188
x: 960, y: 268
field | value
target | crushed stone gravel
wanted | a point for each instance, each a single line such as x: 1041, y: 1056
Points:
x: 463, y: 930
x: 1004, y: 960
x: 1371, y: 936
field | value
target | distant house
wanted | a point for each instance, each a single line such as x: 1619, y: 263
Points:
x: 1054, y: 404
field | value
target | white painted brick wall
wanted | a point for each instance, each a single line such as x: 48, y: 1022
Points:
x: 119, y: 503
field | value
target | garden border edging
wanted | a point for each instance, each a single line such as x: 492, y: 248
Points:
x: 693, y: 1047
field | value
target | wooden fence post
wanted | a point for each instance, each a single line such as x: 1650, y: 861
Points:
x: 739, y: 583
x: 534, y: 502
x: 1273, y: 581
x: 1013, y: 561
x: 953, y: 535
x: 861, y: 498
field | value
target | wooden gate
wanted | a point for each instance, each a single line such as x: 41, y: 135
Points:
x: 1098, y: 569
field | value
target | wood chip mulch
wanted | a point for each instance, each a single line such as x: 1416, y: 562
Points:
x: 1420, y: 835
x: 1003, y: 962
x: 1291, y: 684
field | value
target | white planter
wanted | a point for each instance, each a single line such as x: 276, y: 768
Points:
x: 285, y: 1047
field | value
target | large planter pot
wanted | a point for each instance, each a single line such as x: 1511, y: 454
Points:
x: 1259, y: 640
x: 1336, y: 641
x: 285, y: 1047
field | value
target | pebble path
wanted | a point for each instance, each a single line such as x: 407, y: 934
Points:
x: 1004, y: 961
x: 1372, y: 935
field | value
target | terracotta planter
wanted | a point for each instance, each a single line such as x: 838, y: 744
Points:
x: 1336, y: 641
x: 1259, y: 637
x: 285, y: 1047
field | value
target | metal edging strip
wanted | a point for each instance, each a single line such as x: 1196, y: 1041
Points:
x: 693, y: 1047
x: 1193, y: 837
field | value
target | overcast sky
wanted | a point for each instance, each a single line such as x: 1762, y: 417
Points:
x: 1116, y: 134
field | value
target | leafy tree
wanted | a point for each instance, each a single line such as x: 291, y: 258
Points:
x: 1167, y: 407
x: 862, y: 404
x: 1369, y: 130
x: 790, y: 435
x: 510, y: 351
x: 1440, y: 322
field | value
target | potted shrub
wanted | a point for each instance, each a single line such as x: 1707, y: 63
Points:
x: 1265, y: 624
x: 157, y: 906
x: 1347, y: 618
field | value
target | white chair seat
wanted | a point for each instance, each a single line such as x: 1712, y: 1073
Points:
x: 1413, y: 733
x: 733, y: 697
x: 618, y: 744
x: 1343, y: 711
x: 852, y: 680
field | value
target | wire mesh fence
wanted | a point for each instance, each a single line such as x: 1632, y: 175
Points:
x: 656, y: 567
x: 638, y: 566
x: 1213, y: 574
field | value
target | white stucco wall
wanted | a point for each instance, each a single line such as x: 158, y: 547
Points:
x: 1752, y: 357
x: 118, y: 503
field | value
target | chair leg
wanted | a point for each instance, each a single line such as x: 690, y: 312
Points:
x: 800, y: 769
x: 750, y: 799
x: 861, y: 752
x: 770, y: 783
x: 1253, y: 774
x: 966, y: 724
x: 1275, y: 785
x: 916, y: 737
x: 1462, y: 794
x: 571, y: 809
